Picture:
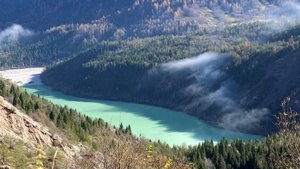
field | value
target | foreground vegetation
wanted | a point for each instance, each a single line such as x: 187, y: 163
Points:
x: 280, y: 150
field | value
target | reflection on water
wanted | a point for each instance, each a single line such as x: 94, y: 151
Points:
x: 151, y: 122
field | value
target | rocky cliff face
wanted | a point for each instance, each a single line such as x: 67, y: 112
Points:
x: 18, y: 126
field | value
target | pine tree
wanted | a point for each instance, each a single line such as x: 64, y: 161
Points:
x: 121, y: 128
x: 52, y: 116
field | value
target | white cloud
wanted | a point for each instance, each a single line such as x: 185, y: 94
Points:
x: 212, y: 88
x: 284, y: 15
x: 14, y: 33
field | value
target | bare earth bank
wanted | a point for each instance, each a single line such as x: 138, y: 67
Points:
x: 23, y: 76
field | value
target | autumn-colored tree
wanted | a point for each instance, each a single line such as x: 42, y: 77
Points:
x: 288, y: 137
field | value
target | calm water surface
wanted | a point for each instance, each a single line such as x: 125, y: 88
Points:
x: 151, y: 122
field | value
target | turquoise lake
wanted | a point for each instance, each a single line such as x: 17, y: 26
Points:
x: 151, y: 122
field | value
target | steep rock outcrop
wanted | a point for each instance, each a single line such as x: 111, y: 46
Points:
x: 15, y: 124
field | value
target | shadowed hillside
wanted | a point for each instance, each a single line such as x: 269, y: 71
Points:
x: 250, y: 79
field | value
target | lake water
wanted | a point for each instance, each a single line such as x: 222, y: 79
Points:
x: 151, y: 122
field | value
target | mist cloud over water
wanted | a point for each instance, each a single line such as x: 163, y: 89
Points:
x: 14, y: 33
x: 212, y: 90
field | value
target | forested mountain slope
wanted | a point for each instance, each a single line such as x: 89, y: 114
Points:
x: 47, y: 32
x: 134, y: 16
x: 244, y: 80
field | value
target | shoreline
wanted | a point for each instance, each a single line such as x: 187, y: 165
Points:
x: 23, y: 76
x: 31, y: 76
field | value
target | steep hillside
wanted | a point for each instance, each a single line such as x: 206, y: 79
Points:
x: 21, y: 47
x: 269, y: 80
x: 16, y: 127
x: 57, y: 30
x: 131, y: 15
x: 144, y: 71
x: 41, y: 49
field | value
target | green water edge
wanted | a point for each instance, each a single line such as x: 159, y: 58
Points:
x: 155, y: 123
